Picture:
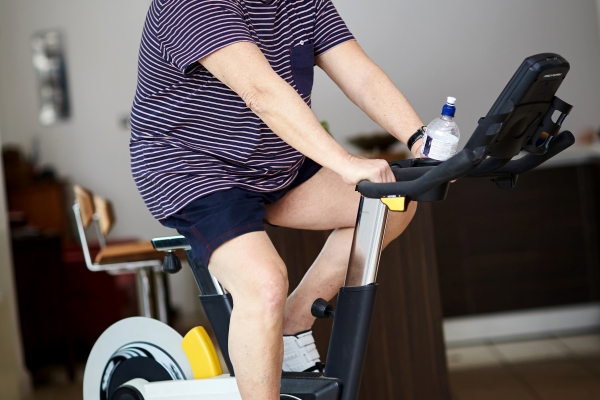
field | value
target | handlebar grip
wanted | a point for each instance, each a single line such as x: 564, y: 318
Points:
x: 454, y: 168
x: 560, y: 142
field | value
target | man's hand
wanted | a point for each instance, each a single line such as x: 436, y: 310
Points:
x: 358, y: 169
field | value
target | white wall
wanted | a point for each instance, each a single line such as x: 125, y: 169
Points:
x: 468, y: 49
x: 598, y: 11
x: 14, y: 378
x: 431, y: 49
x: 102, y: 41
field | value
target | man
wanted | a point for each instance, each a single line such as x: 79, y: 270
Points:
x: 223, y: 139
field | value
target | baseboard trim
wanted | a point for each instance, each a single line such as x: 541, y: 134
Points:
x: 545, y: 321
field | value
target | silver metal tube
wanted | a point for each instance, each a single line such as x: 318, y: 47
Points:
x: 144, y: 292
x: 218, y: 287
x: 82, y: 237
x: 160, y: 295
x: 367, y: 242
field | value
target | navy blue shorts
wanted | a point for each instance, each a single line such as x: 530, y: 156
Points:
x: 210, y: 221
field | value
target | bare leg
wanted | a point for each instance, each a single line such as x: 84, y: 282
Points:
x: 252, y: 271
x: 324, y: 202
x: 323, y: 280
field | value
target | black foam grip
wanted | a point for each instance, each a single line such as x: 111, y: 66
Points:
x: 411, y: 184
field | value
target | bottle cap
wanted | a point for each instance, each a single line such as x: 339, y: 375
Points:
x: 449, y: 108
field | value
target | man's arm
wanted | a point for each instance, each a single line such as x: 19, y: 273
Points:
x: 245, y: 70
x: 367, y: 86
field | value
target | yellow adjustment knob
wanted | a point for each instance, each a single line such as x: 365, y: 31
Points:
x: 201, y: 353
x: 395, y: 203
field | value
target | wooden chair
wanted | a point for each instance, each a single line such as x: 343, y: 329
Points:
x: 137, y: 257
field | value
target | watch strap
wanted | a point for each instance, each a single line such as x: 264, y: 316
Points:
x: 415, y: 137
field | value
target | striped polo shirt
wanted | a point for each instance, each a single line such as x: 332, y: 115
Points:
x: 190, y: 134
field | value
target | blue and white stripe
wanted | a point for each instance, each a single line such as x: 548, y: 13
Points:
x: 191, y: 135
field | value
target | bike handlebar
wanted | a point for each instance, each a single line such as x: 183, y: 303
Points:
x: 528, y: 162
x: 415, y: 181
x: 454, y: 168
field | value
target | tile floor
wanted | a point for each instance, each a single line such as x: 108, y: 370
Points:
x: 551, y: 368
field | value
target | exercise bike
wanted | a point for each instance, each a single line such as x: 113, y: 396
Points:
x: 143, y: 359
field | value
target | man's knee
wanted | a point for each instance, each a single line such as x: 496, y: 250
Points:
x: 265, y: 290
x: 273, y: 294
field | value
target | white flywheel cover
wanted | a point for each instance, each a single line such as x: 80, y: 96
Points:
x: 135, y: 332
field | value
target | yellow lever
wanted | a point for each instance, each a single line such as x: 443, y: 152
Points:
x: 395, y: 203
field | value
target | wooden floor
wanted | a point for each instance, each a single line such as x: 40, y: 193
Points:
x: 551, y: 368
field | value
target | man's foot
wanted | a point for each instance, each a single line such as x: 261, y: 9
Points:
x: 300, y: 352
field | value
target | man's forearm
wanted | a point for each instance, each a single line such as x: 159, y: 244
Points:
x: 370, y: 89
x: 280, y: 107
x: 379, y: 98
x: 243, y: 68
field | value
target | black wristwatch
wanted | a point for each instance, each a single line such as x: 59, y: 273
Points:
x: 415, y: 137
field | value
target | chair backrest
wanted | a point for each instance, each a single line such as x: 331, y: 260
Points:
x: 90, y: 209
x: 85, y: 199
x: 84, y: 215
x: 105, y: 215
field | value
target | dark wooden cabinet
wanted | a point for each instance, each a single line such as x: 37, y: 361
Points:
x: 536, y: 245
x: 63, y: 307
x: 40, y: 284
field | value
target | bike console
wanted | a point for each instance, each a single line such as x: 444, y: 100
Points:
x: 527, y: 116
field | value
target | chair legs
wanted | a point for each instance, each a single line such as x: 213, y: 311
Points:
x: 160, y: 296
x: 152, y: 294
x: 144, y: 292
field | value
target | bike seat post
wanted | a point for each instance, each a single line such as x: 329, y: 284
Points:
x: 367, y: 242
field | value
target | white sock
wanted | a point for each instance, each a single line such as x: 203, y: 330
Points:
x: 299, y: 352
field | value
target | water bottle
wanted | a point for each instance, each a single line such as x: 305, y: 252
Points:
x: 441, y: 137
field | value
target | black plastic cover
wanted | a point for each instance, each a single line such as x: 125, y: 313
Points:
x: 203, y: 279
x: 310, y: 388
x: 349, y: 337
